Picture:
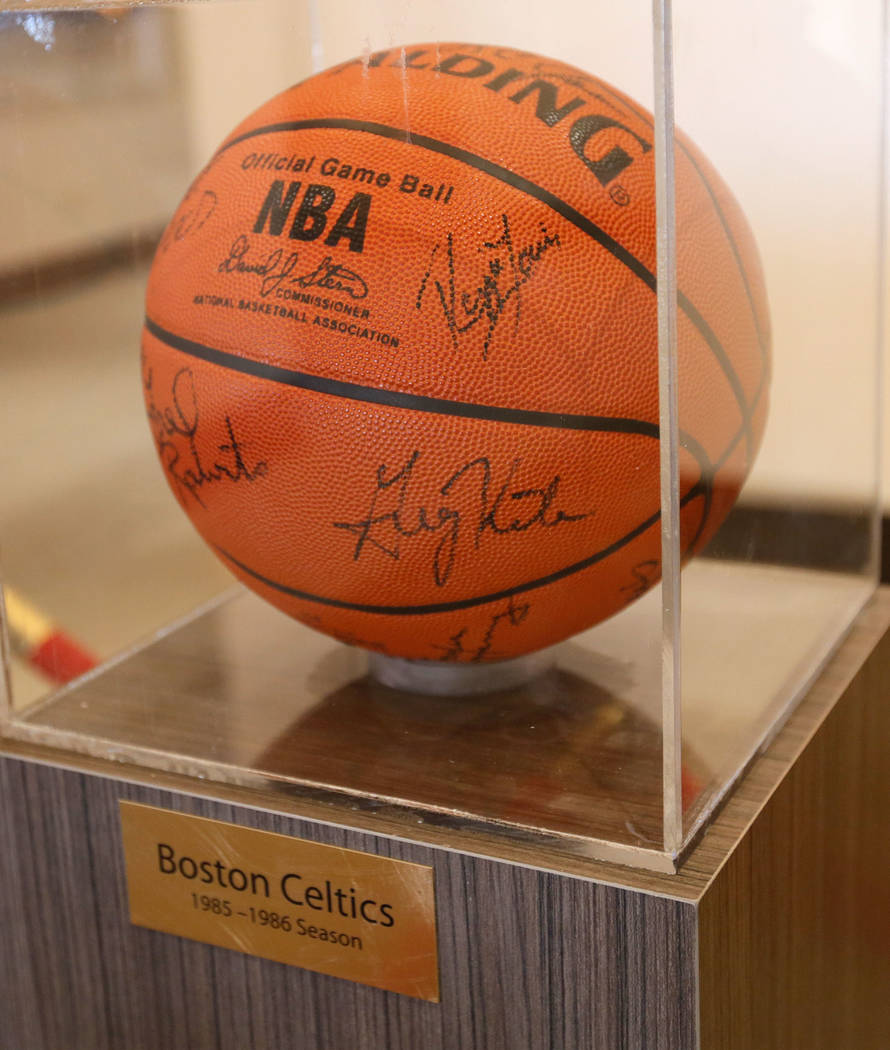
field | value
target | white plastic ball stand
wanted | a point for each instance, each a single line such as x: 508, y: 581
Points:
x: 434, y: 678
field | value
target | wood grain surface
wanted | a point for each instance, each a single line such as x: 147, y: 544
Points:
x: 794, y: 931
x: 529, y: 960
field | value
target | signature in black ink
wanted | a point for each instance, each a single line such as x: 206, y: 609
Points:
x: 483, y: 303
x: 277, y: 269
x: 393, y: 516
x: 194, y: 211
x: 175, y: 427
x: 459, y: 650
x: 645, y: 574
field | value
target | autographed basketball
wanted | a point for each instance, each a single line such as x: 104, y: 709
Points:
x: 400, y: 351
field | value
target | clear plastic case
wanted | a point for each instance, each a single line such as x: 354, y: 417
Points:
x: 640, y: 724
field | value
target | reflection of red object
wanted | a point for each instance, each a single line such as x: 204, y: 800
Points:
x: 42, y: 643
x: 61, y: 658
x: 691, y: 786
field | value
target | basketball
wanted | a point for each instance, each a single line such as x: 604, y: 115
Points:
x: 400, y: 352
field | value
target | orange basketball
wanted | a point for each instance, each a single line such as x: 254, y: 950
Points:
x: 400, y: 355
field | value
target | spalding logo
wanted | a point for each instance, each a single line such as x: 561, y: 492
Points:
x: 549, y: 109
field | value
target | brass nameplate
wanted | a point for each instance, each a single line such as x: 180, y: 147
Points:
x: 355, y: 915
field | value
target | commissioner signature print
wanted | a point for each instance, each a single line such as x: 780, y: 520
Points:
x: 277, y: 269
x: 175, y: 427
x: 394, y: 517
x: 481, y: 303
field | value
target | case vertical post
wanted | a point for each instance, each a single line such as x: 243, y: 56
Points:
x: 666, y: 274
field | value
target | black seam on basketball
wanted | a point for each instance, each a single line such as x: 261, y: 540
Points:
x: 440, y: 406
x: 422, y: 403
x: 643, y: 116
x: 418, y: 402
x: 704, y: 488
x: 472, y: 160
x: 734, y: 248
x: 706, y: 483
x: 558, y: 205
x: 460, y: 603
x: 728, y: 451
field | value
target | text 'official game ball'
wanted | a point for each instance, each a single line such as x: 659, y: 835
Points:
x: 400, y: 351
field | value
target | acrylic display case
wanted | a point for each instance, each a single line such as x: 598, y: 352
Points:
x: 623, y: 748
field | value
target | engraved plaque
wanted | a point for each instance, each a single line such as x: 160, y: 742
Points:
x: 337, y: 911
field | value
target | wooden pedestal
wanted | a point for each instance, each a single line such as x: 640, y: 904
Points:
x: 773, y: 935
